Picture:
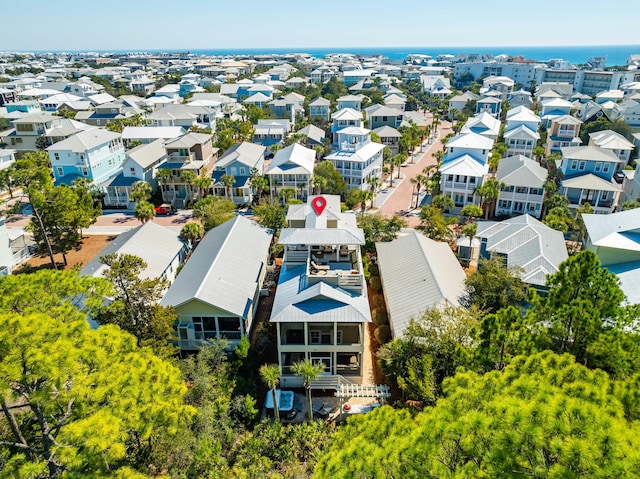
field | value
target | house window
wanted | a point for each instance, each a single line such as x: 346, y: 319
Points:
x: 56, y: 156
x: 598, y: 166
x: 605, y: 167
x: 574, y: 164
x: 85, y: 171
x: 133, y: 171
x: 242, y: 170
x: 60, y: 171
x: 581, y: 165
x: 314, y: 336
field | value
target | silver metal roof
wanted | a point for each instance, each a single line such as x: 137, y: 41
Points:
x: 224, y: 269
x: 417, y: 273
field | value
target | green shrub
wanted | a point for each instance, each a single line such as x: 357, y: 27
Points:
x: 380, y: 317
x: 375, y: 283
x: 378, y: 301
x: 383, y: 334
x: 373, y: 270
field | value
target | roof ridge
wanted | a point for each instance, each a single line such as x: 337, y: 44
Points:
x: 218, y: 255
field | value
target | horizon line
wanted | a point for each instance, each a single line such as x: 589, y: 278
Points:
x: 301, y: 49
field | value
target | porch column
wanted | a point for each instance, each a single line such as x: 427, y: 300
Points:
x: 242, y: 331
x: 306, y: 334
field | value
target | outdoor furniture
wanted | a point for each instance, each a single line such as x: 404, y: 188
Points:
x: 318, y: 267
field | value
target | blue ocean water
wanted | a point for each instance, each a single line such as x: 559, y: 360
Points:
x: 616, y: 54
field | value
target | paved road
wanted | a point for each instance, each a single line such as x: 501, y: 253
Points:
x: 400, y: 198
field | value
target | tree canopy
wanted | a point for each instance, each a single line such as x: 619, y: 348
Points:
x: 543, y: 416
x: 78, y: 400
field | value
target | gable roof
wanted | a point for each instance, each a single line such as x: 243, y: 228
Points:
x: 294, y: 159
x: 619, y: 230
x: 189, y: 140
x: 245, y: 152
x: 470, y: 140
x: 85, y: 140
x: 417, y: 273
x: 146, y: 155
x: 589, y: 153
x: 527, y: 243
x: 386, y: 131
x: 224, y: 269
x: 297, y: 301
x: 464, y: 165
x: 155, y: 244
x: 521, y: 171
x: 610, y: 140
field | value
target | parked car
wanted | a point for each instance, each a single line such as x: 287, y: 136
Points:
x: 165, y: 210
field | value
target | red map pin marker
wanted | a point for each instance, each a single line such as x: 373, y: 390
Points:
x: 319, y: 204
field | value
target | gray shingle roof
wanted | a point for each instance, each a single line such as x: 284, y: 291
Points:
x: 521, y: 171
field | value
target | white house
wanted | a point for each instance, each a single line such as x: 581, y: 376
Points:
x: 521, y: 131
x: 524, y: 182
x: 357, y: 157
x: 292, y: 167
x: 217, y: 292
x: 464, y: 167
x: 610, y: 140
x: 321, y: 308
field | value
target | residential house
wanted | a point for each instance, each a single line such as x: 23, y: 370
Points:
x: 238, y: 162
x: 158, y: 246
x: 611, y: 140
x: 629, y: 111
x: 321, y: 308
x: 217, y: 292
x: 54, y: 103
x: 149, y: 134
x: 614, y: 239
x: 523, y: 190
x: 563, y: 132
x: 491, y: 105
x: 615, y: 96
x: 270, y: 132
x: 501, y: 85
x: 464, y: 167
x: 526, y: 243
x: 107, y: 112
x: 141, y: 164
x: 520, y: 98
x: 345, y: 118
x: 588, y: 177
x: 192, y: 152
x: 436, y: 85
x: 381, y: 115
x: 315, y: 136
x: 292, y: 167
x: 389, y: 137
x: 7, y: 158
x: 483, y: 124
x: 554, y: 108
x: 591, y: 111
x: 395, y: 101
x: 94, y: 154
x: 287, y: 106
x: 16, y: 246
x: 27, y: 132
x: 6, y: 96
x: 458, y: 102
x: 521, y: 131
x: 257, y: 99
x: 351, y: 101
x: 185, y: 116
x: 357, y: 157
x: 320, y: 108
x: 417, y: 274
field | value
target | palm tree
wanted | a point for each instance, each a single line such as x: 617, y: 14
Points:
x: 203, y: 183
x: 260, y: 183
x: 227, y: 181
x: 140, y: 191
x: 308, y: 371
x: 144, y: 211
x: 442, y: 202
x: 302, y: 186
x: 270, y: 374
x: 489, y: 192
x: 188, y: 176
x: 319, y: 183
x: 286, y: 194
x: 470, y: 230
x: 365, y: 196
x: 374, y: 183
x: 418, y: 181
x: 192, y: 232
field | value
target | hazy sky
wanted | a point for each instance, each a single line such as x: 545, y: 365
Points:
x: 197, y: 24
